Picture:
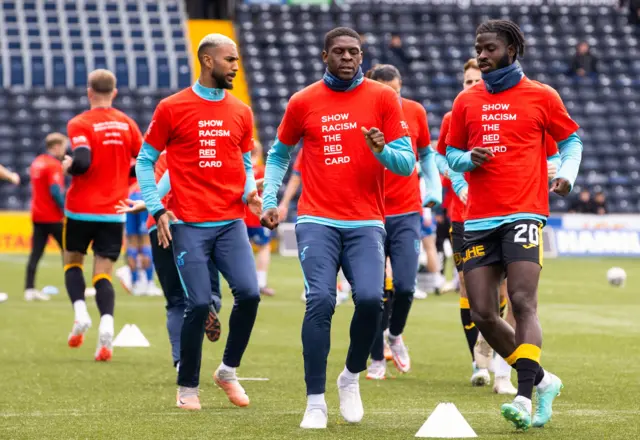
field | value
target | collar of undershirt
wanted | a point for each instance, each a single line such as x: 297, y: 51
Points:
x: 503, y: 79
x: 210, y: 94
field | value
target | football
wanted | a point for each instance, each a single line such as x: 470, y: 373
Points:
x: 616, y: 276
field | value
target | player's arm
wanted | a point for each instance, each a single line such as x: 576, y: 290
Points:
x: 563, y: 130
x: 291, y: 189
x: 81, y: 148
x: 9, y: 176
x: 154, y: 142
x: 279, y: 156
x: 129, y: 206
x: 397, y: 155
x: 277, y: 163
x: 246, y: 145
x: 553, y: 157
x: 426, y: 159
x: 458, y: 158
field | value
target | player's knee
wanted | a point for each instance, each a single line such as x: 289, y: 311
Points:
x: 369, y: 302
x: 246, y: 291
x: 522, y: 303
x: 320, y: 305
x: 484, y: 316
x: 404, y: 287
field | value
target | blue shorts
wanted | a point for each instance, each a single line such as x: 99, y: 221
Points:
x: 137, y: 223
x: 260, y: 236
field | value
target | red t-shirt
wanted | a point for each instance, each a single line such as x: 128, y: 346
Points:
x: 160, y: 168
x: 341, y: 178
x: 551, y: 146
x: 402, y: 193
x: 205, y: 141
x: 456, y: 208
x: 45, y: 171
x: 114, y: 138
x: 514, y: 124
x: 250, y: 219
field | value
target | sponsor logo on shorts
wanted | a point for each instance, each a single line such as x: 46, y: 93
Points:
x: 416, y: 245
x: 302, y: 254
x: 457, y: 258
x: 474, y: 252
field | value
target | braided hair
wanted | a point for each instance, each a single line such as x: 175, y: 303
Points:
x: 508, y: 31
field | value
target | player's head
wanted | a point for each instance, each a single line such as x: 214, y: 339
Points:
x: 342, y: 52
x: 386, y: 74
x: 102, y: 87
x: 56, y: 144
x: 218, y: 57
x: 472, y: 74
x: 499, y: 43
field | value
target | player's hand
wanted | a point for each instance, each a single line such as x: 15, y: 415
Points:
x: 464, y: 195
x: 561, y: 186
x: 260, y: 184
x: 66, y: 163
x: 479, y: 156
x: 374, y: 138
x: 15, y: 178
x: 270, y: 218
x: 164, y: 228
x: 254, y: 201
x: 552, y: 170
x: 283, y: 210
x: 129, y: 206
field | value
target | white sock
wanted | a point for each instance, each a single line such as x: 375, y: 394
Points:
x: 106, y: 324
x: 226, y: 368
x: 523, y: 400
x: 316, y: 400
x: 187, y: 391
x: 262, y: 279
x: 80, y: 308
x: 501, y: 368
x: 546, y: 380
x: 393, y: 338
x: 379, y: 363
x: 346, y: 374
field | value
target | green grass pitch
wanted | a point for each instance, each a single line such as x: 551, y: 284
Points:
x: 49, y: 391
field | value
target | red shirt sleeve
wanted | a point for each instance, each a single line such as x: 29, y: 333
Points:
x: 290, y: 130
x: 394, y: 125
x: 79, y: 134
x: 444, y: 130
x: 246, y: 143
x: 551, y: 145
x: 559, y: 124
x: 136, y: 138
x: 457, y: 136
x: 159, y: 130
x: 424, y: 137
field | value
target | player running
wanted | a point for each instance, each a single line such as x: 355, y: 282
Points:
x: 165, y: 266
x: 403, y: 208
x: 259, y: 235
x: 208, y: 136
x: 103, y: 141
x: 341, y: 209
x: 47, y: 207
x: 497, y: 133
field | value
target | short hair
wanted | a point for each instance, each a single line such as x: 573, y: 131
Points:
x: 508, y: 31
x: 212, y: 41
x: 102, y: 81
x: 54, y: 139
x: 339, y: 32
x: 383, y: 72
x: 471, y: 63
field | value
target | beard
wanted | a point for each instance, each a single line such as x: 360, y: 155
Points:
x: 504, y: 62
x: 221, y: 80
